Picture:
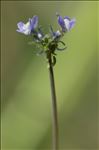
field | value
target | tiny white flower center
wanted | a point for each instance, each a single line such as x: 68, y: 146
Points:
x: 26, y: 26
x: 58, y: 33
x: 39, y: 35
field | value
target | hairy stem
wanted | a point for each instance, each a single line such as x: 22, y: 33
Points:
x: 54, y: 106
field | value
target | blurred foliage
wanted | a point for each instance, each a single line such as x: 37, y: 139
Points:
x: 26, y: 102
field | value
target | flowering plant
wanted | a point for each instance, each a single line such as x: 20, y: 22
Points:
x: 48, y: 45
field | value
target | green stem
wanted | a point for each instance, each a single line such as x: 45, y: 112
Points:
x: 54, y: 106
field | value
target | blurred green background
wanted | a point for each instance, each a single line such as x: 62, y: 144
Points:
x: 26, y: 100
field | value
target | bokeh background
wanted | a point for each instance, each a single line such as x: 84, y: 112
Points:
x: 26, y: 101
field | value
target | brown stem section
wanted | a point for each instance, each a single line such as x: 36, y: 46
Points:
x: 54, y: 106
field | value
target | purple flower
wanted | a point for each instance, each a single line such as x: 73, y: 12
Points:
x: 66, y: 23
x: 29, y: 27
x: 56, y: 34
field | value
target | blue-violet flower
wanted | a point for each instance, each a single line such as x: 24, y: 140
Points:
x: 47, y: 43
x: 66, y: 23
x: 29, y: 27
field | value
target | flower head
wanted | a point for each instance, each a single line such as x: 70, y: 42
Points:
x: 66, y: 23
x: 47, y: 43
x: 29, y: 27
x: 56, y: 34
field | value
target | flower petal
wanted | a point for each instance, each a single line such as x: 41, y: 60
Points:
x: 33, y: 22
x: 27, y: 32
x: 67, y: 24
x: 20, y: 25
x: 61, y: 21
x: 27, y: 26
x: 66, y: 17
x: 19, y: 30
x: 72, y: 23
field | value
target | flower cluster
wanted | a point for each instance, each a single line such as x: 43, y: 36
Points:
x: 48, y: 43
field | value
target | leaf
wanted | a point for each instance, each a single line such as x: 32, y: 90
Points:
x: 61, y: 49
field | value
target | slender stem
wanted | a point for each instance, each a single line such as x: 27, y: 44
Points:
x: 54, y: 106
